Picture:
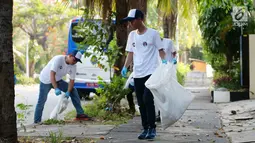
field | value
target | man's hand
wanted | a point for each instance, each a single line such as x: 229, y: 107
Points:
x: 174, y: 61
x: 57, y: 91
x: 164, y: 61
x: 82, y: 51
x: 67, y: 94
x: 124, y: 72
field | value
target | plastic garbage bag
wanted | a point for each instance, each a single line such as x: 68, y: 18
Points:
x: 129, y: 80
x: 60, y: 107
x: 169, y: 96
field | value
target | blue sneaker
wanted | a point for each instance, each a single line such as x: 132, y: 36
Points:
x: 151, y: 134
x: 143, y: 134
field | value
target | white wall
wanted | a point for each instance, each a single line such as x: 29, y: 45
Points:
x: 252, y: 64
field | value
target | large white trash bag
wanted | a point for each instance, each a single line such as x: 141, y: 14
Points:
x: 128, y: 81
x: 60, y: 107
x: 169, y: 96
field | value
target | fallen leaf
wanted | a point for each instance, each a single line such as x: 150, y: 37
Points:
x: 102, y: 137
x: 218, y: 135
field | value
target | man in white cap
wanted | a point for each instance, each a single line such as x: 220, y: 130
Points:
x: 51, y: 77
x: 144, y: 45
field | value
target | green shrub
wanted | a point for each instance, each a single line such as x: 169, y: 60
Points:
x: 24, y: 80
x: 106, y: 104
x: 182, y: 71
x: 224, y: 80
x: 111, y: 93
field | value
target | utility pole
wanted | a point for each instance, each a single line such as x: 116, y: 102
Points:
x: 27, y: 59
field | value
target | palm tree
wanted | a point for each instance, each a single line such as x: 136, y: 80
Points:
x: 8, y: 129
x: 172, y: 11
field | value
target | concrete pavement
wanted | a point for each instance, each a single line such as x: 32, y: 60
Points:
x: 238, y: 119
x: 200, y: 123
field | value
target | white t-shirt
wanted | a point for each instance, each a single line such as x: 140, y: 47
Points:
x: 145, y: 50
x: 169, y: 49
x: 58, y: 65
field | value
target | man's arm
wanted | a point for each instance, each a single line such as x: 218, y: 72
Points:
x: 70, y: 85
x: 129, y: 59
x: 53, y: 79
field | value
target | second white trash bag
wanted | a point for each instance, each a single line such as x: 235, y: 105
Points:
x: 169, y: 96
x: 60, y: 107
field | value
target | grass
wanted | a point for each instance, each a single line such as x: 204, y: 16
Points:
x: 102, y: 116
x: 55, y: 137
x: 53, y: 121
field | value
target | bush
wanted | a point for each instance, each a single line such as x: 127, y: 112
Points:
x: 111, y: 93
x: 106, y: 104
x: 182, y: 71
x: 24, y: 80
x: 223, y: 80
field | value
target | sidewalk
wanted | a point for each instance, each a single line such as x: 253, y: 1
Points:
x: 238, y: 119
x: 200, y: 123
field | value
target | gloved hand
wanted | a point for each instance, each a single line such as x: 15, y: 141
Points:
x: 57, y: 91
x: 82, y: 51
x: 164, y: 61
x: 67, y: 94
x: 124, y: 72
x: 174, y: 61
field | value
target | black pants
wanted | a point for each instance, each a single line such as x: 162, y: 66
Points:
x: 146, y: 102
x: 130, y: 98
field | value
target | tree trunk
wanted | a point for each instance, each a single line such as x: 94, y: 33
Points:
x: 31, y: 68
x: 169, y: 22
x: 139, y: 4
x: 8, y: 129
x: 122, y: 8
x: 121, y: 32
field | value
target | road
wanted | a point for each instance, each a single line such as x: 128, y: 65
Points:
x: 29, y: 95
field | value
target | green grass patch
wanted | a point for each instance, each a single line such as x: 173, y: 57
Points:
x: 24, y: 80
x: 53, y: 121
x: 102, y: 116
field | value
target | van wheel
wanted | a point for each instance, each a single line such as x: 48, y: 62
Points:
x: 83, y: 94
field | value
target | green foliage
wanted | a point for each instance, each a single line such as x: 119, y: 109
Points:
x: 24, y: 80
x: 96, y: 35
x: 111, y: 93
x: 23, y: 110
x: 228, y: 79
x: 53, y: 121
x: 37, y: 20
x: 221, y: 38
x: 225, y: 81
x: 182, y: 71
x: 195, y: 52
x: 55, y: 137
x: 106, y: 106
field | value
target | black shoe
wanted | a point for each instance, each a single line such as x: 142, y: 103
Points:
x: 143, y: 134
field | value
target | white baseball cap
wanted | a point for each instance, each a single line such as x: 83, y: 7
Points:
x: 133, y: 14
